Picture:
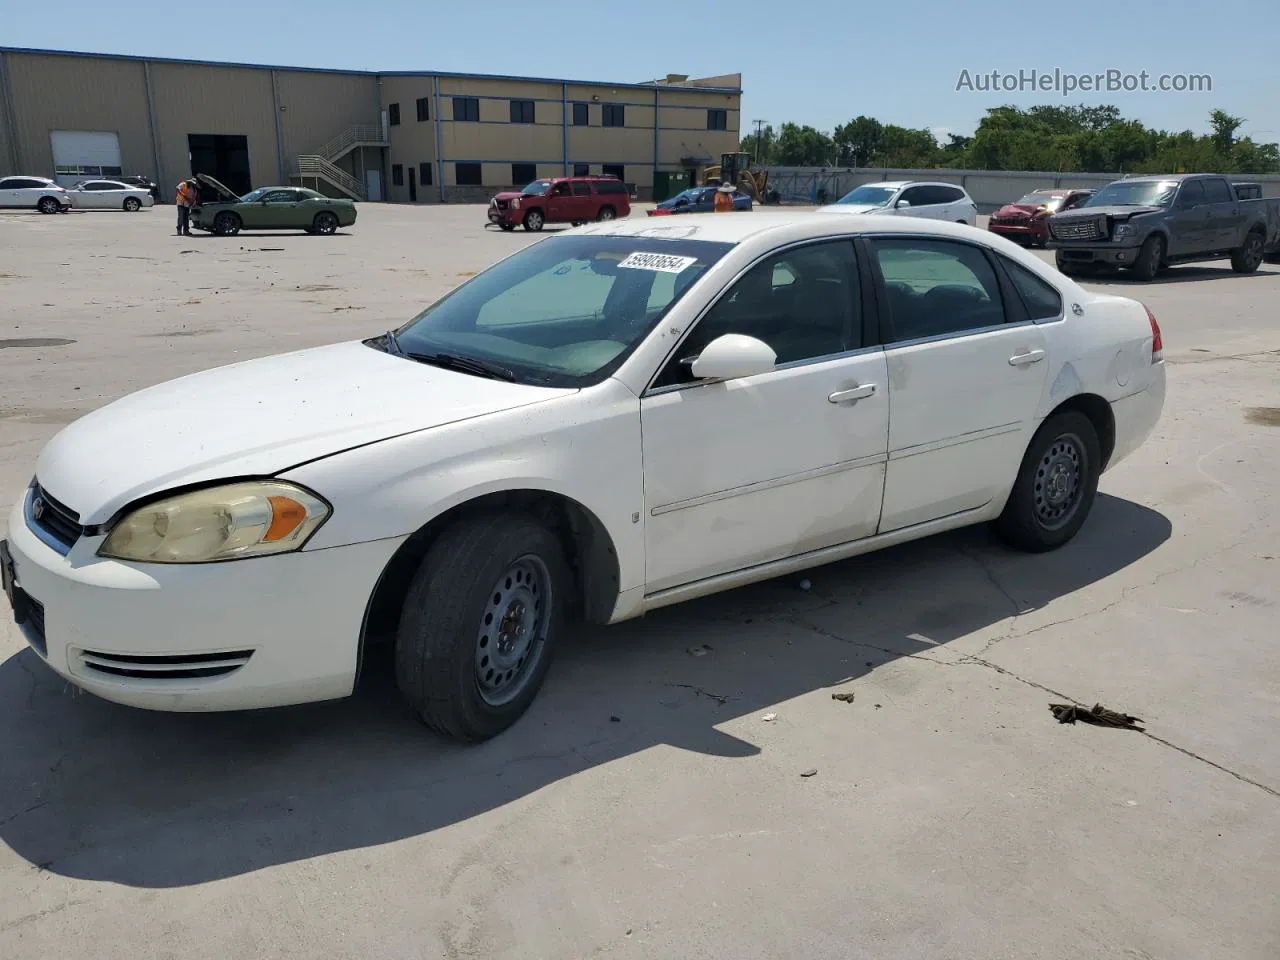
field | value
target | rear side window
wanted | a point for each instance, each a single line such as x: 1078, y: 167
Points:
x: 1217, y: 191
x: 1042, y: 300
x: 610, y: 186
x: 937, y: 287
x: 581, y: 189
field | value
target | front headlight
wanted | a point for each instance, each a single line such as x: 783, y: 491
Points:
x: 515, y: 204
x: 231, y: 522
x: 1122, y: 230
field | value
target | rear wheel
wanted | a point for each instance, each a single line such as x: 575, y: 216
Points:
x: 48, y: 205
x: 478, y: 624
x: 534, y: 221
x: 1150, y: 258
x: 226, y: 224
x: 1249, y: 257
x: 1055, y: 486
x: 132, y: 204
x: 325, y: 223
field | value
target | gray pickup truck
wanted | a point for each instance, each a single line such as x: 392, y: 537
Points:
x: 1150, y: 223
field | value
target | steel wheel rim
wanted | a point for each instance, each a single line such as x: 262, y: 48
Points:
x: 535, y: 220
x: 1059, y: 481
x: 512, y: 632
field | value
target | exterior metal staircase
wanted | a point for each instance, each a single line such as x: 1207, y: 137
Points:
x: 323, y: 164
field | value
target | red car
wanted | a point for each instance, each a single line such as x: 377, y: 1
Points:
x: 572, y: 200
x: 1026, y: 221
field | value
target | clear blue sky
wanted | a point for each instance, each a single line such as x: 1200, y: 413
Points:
x: 819, y: 62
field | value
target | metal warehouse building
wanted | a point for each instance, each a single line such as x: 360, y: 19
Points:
x: 405, y: 137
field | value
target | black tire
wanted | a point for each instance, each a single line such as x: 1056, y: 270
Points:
x: 507, y: 227
x: 1150, y: 258
x: 457, y: 594
x: 48, y: 205
x: 607, y: 213
x: 132, y: 204
x: 1056, y: 485
x: 1248, y: 258
x: 534, y: 221
x: 226, y: 224
x: 325, y: 223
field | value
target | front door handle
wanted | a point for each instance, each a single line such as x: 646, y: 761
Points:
x: 854, y: 393
x: 1024, y: 359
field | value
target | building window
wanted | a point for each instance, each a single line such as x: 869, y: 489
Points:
x: 717, y: 119
x: 467, y: 175
x: 466, y: 108
x: 523, y: 173
x: 615, y: 115
x: 581, y: 116
x: 397, y: 175
x: 424, y: 109
x: 393, y: 114
x: 614, y: 170
x: 522, y: 111
x: 582, y: 169
x: 425, y: 174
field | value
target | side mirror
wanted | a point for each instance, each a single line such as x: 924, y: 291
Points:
x: 903, y: 203
x: 732, y: 356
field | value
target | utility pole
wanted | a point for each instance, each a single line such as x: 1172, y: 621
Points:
x: 759, y: 135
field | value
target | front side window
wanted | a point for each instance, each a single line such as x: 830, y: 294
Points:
x: 916, y: 196
x: 804, y: 303
x: 937, y: 287
x: 566, y: 311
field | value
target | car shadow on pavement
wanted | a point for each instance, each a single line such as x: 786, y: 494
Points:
x: 1187, y: 274
x: 101, y: 792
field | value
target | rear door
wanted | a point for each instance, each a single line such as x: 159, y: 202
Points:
x: 1189, y: 232
x: 967, y: 368
x: 1226, y: 219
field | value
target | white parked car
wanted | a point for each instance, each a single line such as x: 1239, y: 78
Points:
x: 109, y: 195
x: 33, y: 193
x: 915, y: 198
x: 617, y: 418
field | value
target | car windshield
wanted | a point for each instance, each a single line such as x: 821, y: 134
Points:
x: 253, y: 195
x: 1041, y: 200
x: 536, y: 189
x: 564, y: 312
x: 1134, y: 193
x: 871, y: 195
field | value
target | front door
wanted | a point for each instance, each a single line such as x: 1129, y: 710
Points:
x: 1189, y: 232
x: 560, y: 204
x: 743, y: 472
x: 279, y: 210
x: 581, y: 193
x: 964, y: 381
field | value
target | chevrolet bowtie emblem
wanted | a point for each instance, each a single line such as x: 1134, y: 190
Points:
x: 37, y: 508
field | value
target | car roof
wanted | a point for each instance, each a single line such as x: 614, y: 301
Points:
x: 797, y: 225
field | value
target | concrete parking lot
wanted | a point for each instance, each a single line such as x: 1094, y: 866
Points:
x: 644, y: 808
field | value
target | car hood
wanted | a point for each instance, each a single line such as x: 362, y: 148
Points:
x: 225, y: 192
x: 1017, y: 210
x: 258, y: 418
x: 1121, y: 213
x: 507, y: 195
x: 854, y: 208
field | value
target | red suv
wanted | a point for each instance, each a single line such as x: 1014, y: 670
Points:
x: 572, y: 200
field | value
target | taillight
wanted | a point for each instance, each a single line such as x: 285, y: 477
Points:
x: 1157, y: 342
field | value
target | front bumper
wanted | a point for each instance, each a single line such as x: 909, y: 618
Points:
x: 264, y: 632
x: 504, y: 217
x: 1114, y: 254
x: 1021, y: 232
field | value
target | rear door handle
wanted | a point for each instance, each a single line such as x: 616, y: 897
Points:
x: 1024, y: 359
x: 854, y: 393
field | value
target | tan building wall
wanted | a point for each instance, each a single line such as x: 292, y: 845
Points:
x: 316, y: 107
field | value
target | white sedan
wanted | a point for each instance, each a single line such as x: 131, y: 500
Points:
x: 109, y: 195
x: 909, y: 198
x: 617, y: 418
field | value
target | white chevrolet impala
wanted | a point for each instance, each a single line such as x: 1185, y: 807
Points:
x: 616, y: 418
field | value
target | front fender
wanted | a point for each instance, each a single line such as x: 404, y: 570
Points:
x: 584, y: 447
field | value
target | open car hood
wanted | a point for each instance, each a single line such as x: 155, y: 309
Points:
x: 220, y: 188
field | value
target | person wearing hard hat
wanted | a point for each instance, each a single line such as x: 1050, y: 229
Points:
x: 724, y: 198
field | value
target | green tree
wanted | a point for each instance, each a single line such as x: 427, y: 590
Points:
x: 762, y: 144
x: 859, y: 141
x: 1224, y: 127
x: 804, y: 146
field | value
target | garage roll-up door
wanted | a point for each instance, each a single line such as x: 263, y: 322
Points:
x: 79, y: 154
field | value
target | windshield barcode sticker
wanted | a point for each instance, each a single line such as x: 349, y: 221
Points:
x: 661, y: 262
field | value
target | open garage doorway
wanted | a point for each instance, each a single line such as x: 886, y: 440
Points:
x: 225, y: 157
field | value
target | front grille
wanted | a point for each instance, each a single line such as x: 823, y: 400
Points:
x: 1011, y: 221
x: 500, y: 204
x: 1076, y: 229
x: 56, y: 519
x: 184, y: 666
x: 34, y: 624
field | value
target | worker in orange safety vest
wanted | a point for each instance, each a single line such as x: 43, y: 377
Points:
x: 188, y: 197
x: 724, y: 198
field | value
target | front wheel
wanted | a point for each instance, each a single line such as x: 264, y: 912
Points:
x: 1150, y: 259
x: 226, y: 224
x: 534, y: 221
x: 479, y: 622
x: 132, y: 204
x: 507, y: 227
x: 325, y: 223
x: 1055, y: 486
x: 1249, y: 257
